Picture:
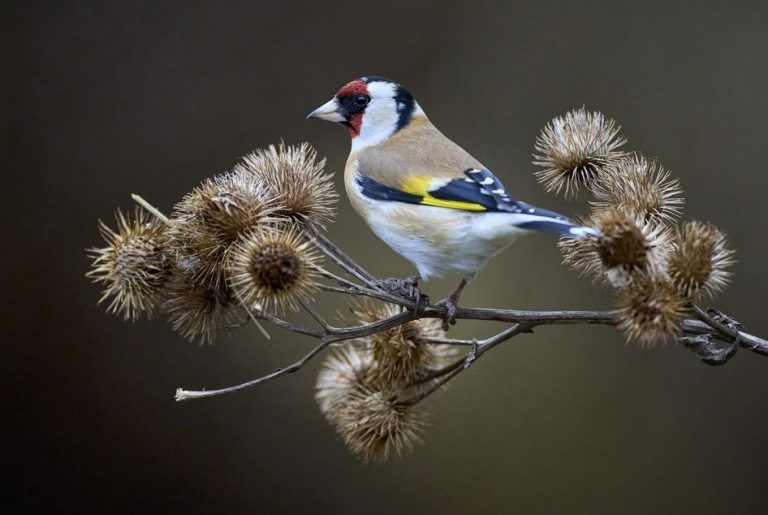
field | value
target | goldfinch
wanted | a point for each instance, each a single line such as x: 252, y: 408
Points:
x: 424, y: 195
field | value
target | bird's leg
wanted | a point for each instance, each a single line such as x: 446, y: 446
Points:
x: 451, y: 304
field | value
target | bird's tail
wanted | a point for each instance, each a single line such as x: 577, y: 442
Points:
x: 533, y: 218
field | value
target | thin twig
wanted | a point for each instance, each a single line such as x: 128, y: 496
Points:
x: 290, y: 326
x: 327, y: 336
x: 340, y: 257
x: 704, y: 317
x: 150, y: 208
x: 252, y: 318
x: 333, y: 277
x: 448, y: 341
x: 185, y: 395
x: 462, y: 364
x: 367, y: 292
x: 731, y: 334
x: 318, y: 318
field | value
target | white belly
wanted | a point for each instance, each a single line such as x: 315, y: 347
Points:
x: 437, y: 240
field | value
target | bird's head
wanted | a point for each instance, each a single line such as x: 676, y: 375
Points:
x: 372, y: 109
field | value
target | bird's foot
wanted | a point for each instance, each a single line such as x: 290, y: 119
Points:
x: 407, y: 288
x: 451, y: 306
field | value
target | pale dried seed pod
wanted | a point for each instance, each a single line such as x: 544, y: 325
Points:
x: 346, y: 369
x: 374, y: 426
x: 402, y: 355
x: 574, y: 148
x: 274, y: 268
x: 650, y: 312
x: 361, y: 386
x: 210, y: 218
x: 296, y: 178
x: 641, y: 186
x: 134, y: 267
x: 369, y: 419
x: 699, y: 260
x: 199, y: 311
x: 627, y: 248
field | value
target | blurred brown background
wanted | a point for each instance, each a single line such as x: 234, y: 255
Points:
x: 100, y: 101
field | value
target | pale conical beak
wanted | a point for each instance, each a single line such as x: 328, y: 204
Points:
x: 328, y: 111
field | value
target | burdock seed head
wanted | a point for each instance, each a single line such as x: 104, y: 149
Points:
x: 360, y: 385
x: 402, y: 355
x: 133, y: 267
x: 296, y: 178
x: 198, y: 311
x: 344, y: 370
x: 625, y: 249
x: 369, y: 419
x: 374, y: 426
x: 573, y: 149
x: 641, y: 186
x: 273, y: 268
x: 699, y: 260
x: 210, y: 218
x: 650, y: 311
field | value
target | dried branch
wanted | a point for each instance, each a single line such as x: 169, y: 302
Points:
x: 150, y: 208
x: 694, y: 334
x: 340, y: 257
x: 184, y: 395
x: 697, y: 334
x: 477, y: 349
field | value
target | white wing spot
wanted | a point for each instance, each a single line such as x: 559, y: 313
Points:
x: 487, y: 181
x: 531, y: 210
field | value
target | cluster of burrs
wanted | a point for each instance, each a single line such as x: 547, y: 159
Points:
x: 655, y: 267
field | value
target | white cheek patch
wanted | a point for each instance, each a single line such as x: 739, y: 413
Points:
x: 380, y: 117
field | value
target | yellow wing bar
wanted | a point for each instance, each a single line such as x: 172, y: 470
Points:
x: 420, y: 184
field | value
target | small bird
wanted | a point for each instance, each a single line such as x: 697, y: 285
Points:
x: 424, y: 195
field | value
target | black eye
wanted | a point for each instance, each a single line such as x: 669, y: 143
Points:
x: 361, y: 100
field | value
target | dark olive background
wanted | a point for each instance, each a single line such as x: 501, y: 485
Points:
x: 100, y: 101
